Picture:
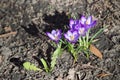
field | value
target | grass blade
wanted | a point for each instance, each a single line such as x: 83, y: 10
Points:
x: 45, y: 65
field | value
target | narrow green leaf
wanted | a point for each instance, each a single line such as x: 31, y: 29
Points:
x: 45, y: 65
x: 101, y: 30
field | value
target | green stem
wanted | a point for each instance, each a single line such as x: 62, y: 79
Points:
x: 87, y: 54
x: 80, y: 41
x: 87, y: 38
x: 72, y: 50
x: 84, y: 42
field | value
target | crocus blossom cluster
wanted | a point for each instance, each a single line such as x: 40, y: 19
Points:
x: 77, y: 28
x: 82, y: 25
x: 76, y: 41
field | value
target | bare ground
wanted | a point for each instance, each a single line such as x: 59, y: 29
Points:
x: 23, y: 24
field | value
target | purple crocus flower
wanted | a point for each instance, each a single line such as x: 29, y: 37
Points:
x: 76, y: 25
x: 72, y: 36
x: 82, y: 31
x: 88, y: 22
x: 73, y: 23
x: 55, y: 35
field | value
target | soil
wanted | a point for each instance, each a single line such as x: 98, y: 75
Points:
x: 23, y: 27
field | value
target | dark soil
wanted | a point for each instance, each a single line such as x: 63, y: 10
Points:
x: 31, y: 19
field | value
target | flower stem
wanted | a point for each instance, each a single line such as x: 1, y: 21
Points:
x: 72, y: 51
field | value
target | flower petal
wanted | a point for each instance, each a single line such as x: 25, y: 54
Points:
x: 53, y: 32
x: 94, y: 23
x: 51, y: 36
x: 69, y: 33
x: 77, y: 26
x: 82, y: 31
x: 71, y: 23
x: 76, y: 21
x: 89, y: 20
x: 75, y: 33
x: 58, y: 32
x: 76, y: 38
x: 66, y: 36
x: 83, y: 19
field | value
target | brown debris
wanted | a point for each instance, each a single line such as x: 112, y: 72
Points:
x: 103, y: 75
x: 95, y: 51
x: 8, y: 29
x: 8, y: 34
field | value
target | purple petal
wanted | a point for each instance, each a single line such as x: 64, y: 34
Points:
x: 69, y: 33
x: 89, y: 20
x: 76, y: 38
x: 51, y: 36
x: 75, y: 33
x: 66, y: 36
x: 77, y: 26
x: 82, y: 31
x: 58, y: 32
x: 59, y: 36
x: 94, y: 23
x: 83, y: 19
x: 53, y: 32
x: 71, y: 23
x: 76, y: 21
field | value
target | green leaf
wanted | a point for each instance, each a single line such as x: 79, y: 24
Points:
x: 26, y: 65
x: 55, y: 55
x: 96, y: 34
x: 45, y: 65
x: 29, y: 66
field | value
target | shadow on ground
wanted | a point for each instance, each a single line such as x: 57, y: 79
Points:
x: 56, y: 21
